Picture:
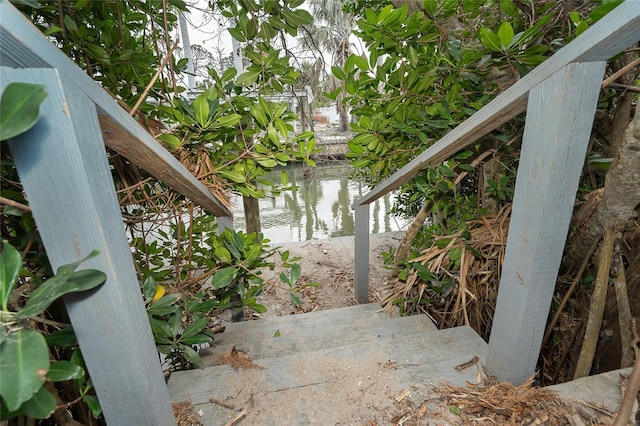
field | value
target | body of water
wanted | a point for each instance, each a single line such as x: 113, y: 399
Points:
x: 320, y: 208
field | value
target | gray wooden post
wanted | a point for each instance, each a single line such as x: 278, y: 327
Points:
x: 63, y: 166
x: 224, y: 222
x: 361, y: 253
x: 559, y: 119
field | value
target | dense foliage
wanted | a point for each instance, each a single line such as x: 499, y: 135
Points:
x: 432, y: 65
x: 229, y: 136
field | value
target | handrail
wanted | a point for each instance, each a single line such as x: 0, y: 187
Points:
x: 619, y: 29
x: 23, y: 46
x: 560, y: 97
x: 65, y: 174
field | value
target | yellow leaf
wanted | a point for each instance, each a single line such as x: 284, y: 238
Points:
x: 160, y: 291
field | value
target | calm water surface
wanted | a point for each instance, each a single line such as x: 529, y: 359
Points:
x: 320, y: 208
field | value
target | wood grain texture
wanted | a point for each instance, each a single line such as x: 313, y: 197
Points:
x: 23, y: 46
x: 548, y: 176
x: 609, y: 36
x: 63, y: 167
x: 315, y: 383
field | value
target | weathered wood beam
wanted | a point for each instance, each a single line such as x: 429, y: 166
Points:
x: 23, y: 46
x: 63, y: 167
x: 361, y: 253
x: 556, y: 135
x: 609, y: 36
x: 138, y: 146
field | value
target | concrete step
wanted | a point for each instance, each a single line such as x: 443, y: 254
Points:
x: 302, y: 335
x: 601, y: 390
x: 349, y: 384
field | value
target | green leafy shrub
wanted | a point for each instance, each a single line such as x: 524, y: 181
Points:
x: 25, y: 365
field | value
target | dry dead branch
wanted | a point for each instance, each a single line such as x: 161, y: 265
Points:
x: 476, y: 278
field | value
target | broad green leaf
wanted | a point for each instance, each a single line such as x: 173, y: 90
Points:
x: 24, y: 362
x: 58, y: 286
x: 149, y: 287
x: 229, y: 120
x: 360, y: 62
x: 64, y: 338
x: 606, y: 7
x: 222, y: 254
x: 295, y: 273
x: 232, y: 176
x: 175, y: 324
x: 86, y: 279
x: 223, y: 277
x: 170, y: 140
x: 31, y: 3
x: 446, y: 170
x: 64, y: 370
x: 384, y: 12
x: 455, y: 253
x: 253, y: 252
x: 201, y: 108
x: 527, y: 35
x: 237, y: 34
x: 508, y: 7
x: 10, y: 262
x: 248, y: 78
x: 272, y: 135
x: 463, y: 155
x: 413, y: 56
x: 198, y: 339
x: 164, y: 305
x: 443, y: 186
x: 93, y: 404
x: 284, y: 178
x: 303, y: 17
x: 20, y: 108
x: 259, y: 115
x: 338, y: 73
x: 490, y: 39
x: 191, y: 355
x: 261, y: 309
x: 505, y: 34
x: 295, y: 299
x: 41, y: 405
x: 229, y: 74
x: 430, y: 6
x: 195, y: 327
x: 64, y: 271
x: 267, y: 162
x: 70, y: 23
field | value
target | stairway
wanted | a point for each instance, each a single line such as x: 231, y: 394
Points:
x: 342, y: 366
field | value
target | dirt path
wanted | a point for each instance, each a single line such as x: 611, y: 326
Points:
x: 330, y: 263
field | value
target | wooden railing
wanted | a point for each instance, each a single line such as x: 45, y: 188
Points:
x: 560, y: 98
x: 64, y: 170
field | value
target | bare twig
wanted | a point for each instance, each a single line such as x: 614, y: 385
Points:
x: 8, y: 202
x: 620, y: 72
x: 625, y: 87
x: 222, y: 404
x: 633, y: 387
x: 153, y: 80
x: 567, y: 296
x: 237, y: 417
x: 624, y: 311
x: 596, y: 307
x: 49, y: 322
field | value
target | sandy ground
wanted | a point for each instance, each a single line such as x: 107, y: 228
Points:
x: 330, y: 264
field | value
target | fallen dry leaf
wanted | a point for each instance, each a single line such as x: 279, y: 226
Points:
x: 237, y: 359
